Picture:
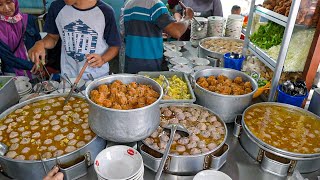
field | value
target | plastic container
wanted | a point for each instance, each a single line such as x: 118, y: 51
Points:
x: 288, y: 99
x: 233, y: 63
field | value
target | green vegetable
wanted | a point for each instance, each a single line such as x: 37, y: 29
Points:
x: 1, y: 85
x: 262, y: 82
x: 268, y: 35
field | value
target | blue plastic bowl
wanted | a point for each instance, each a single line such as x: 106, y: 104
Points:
x: 288, y: 99
x: 233, y: 63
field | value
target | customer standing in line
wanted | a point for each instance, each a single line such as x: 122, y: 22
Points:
x: 144, y: 22
x: 88, y: 31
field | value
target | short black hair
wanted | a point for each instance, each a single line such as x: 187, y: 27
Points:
x: 235, y: 8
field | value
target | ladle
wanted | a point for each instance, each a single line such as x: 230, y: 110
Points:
x: 200, y: 26
x: 172, y: 129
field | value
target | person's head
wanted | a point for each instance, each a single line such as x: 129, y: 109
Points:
x: 236, y: 10
x: 8, y: 7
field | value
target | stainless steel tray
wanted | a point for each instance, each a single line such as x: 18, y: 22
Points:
x: 169, y: 74
x: 8, y: 93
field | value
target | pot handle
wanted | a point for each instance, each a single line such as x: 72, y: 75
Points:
x: 237, y: 125
x: 277, y: 165
x: 217, y: 159
x: 77, y: 170
x: 150, y: 160
x: 213, y: 61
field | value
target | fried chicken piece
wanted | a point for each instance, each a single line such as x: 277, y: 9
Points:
x: 141, y: 91
x: 247, y: 90
x: 97, y: 97
x: 201, y: 79
x: 132, y: 101
x: 227, y: 82
x: 107, y: 103
x: 133, y: 85
x: 204, y: 84
x: 104, y: 89
x: 152, y: 93
x: 122, y: 99
x: 150, y: 100
x: 141, y: 100
x: 247, y: 85
x: 210, y: 78
x: 226, y: 90
x: 212, y: 82
x: 126, y: 107
x: 140, y: 105
x: 212, y: 88
x: 114, y: 90
x: 116, y: 106
x: 222, y: 78
x: 238, y: 80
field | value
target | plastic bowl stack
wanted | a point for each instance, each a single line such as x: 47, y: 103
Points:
x: 216, y: 26
x: 119, y: 163
x: 234, y: 26
x: 24, y: 87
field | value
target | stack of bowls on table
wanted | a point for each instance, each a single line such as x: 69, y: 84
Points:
x: 119, y: 163
x: 211, y: 174
x: 23, y: 85
x: 216, y: 26
x: 180, y: 64
x: 46, y: 87
x: 197, y: 35
x: 234, y: 26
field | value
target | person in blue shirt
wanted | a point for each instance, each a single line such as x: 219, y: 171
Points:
x: 88, y: 31
x: 144, y: 22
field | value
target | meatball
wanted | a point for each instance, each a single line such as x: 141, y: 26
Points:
x: 180, y: 116
x: 45, y: 122
x: 201, y: 144
x: 9, y: 120
x: 3, y: 127
x: 54, y: 122
x: 56, y: 104
x: 50, y: 101
x: 26, y: 134
x: 11, y: 154
x: 57, y: 153
x: 194, y: 130
x: 85, y: 110
x: 212, y: 119
x: 36, y: 110
x: 191, y: 145
x: 64, y: 130
x: 51, y: 118
x: 183, y: 141
x: 67, y: 108
x: 14, y: 140
x: 52, y: 148
x: 194, y: 138
x: 205, y: 134
x: 47, y: 141
x: 34, y: 127
x: 72, y: 142
x: 64, y: 117
x: 86, y: 131
x: 71, y: 136
x: 18, y: 111
x: 180, y: 148
x: 164, y: 137
x: 37, y: 116
x: 36, y: 135
x: 59, y: 113
x: 25, y: 150
x: 176, y: 136
x: 194, y: 151
x: 215, y: 135
x: 187, y: 114
x: 85, y: 126
x: 47, y: 155
x: 167, y: 113
x: 162, y: 145
x: 42, y: 148
x: 155, y: 134
x: 20, y: 157
x: 211, y: 146
x: 80, y: 144
x: 217, y: 124
x: 33, y: 157
x: 174, y: 121
x: 46, y: 108
x: 87, y: 137
x: 14, y: 146
x: 149, y: 141
x: 13, y: 134
x: 25, y: 141
x: 56, y: 127
x: 205, y: 150
x: 59, y: 137
x: 202, y: 126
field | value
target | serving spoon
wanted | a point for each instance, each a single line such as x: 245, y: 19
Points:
x: 172, y: 129
x: 200, y: 26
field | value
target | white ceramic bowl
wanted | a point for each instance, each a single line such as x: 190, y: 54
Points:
x: 178, y: 43
x: 179, y: 61
x: 23, y: 86
x: 211, y: 175
x: 118, y: 162
x: 199, y: 61
x: 21, y: 78
x: 172, y: 54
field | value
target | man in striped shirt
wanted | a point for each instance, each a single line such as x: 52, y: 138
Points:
x: 144, y: 23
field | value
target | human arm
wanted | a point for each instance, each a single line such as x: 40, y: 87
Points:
x: 54, y: 175
x: 177, y: 29
x: 95, y: 60
x: 177, y: 16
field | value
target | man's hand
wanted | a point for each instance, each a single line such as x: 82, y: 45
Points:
x: 95, y: 60
x: 54, y: 175
x: 36, y: 54
x: 189, y: 13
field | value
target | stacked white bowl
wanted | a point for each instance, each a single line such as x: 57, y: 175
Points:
x: 23, y: 85
x: 216, y: 25
x: 119, y: 163
x: 211, y: 174
x: 197, y: 35
x: 234, y: 26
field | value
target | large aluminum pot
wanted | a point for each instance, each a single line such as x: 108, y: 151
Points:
x: 275, y: 160
x: 8, y: 87
x: 226, y: 106
x: 186, y: 164
x: 35, y: 170
x: 124, y: 125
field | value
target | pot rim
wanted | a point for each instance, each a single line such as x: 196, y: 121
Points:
x: 90, y: 88
x: 224, y: 38
x: 196, y: 155
x: 19, y: 105
x: 252, y: 81
x: 272, y: 149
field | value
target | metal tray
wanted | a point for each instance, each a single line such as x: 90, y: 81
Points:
x: 8, y: 93
x: 169, y: 74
